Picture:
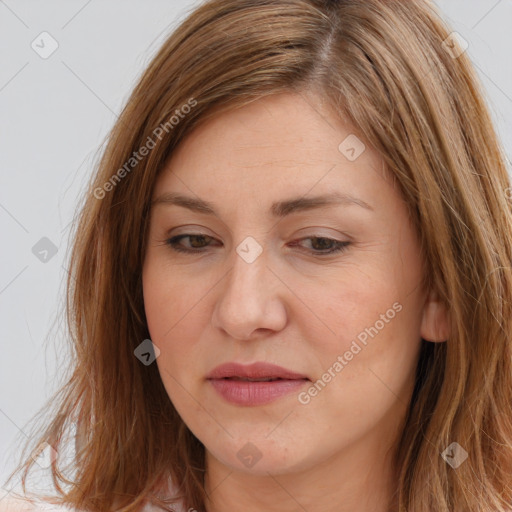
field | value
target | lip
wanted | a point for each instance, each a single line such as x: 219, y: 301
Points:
x: 225, y: 380
x: 257, y: 370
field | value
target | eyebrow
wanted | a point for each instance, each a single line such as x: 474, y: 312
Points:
x: 278, y: 209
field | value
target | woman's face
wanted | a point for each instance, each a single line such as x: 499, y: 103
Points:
x: 262, y: 283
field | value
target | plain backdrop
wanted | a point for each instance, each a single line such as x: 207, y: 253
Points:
x: 55, y: 112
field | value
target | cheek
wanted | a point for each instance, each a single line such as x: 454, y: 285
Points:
x: 175, y: 307
x: 369, y: 362
x: 169, y: 296
x: 347, y: 304
x: 175, y: 328
x: 370, y: 318
x: 166, y: 313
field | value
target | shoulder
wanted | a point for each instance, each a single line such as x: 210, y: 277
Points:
x: 18, y: 504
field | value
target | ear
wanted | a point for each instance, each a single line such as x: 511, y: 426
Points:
x: 435, y: 323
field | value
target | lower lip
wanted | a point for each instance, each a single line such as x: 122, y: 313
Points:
x: 242, y: 392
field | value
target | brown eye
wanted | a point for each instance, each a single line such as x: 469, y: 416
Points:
x: 197, y: 242
x: 325, y: 246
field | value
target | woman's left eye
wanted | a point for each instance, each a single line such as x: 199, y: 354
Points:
x: 327, y: 245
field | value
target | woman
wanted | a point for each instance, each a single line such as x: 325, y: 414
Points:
x: 291, y: 283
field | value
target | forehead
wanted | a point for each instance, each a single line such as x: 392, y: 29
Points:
x: 281, y: 145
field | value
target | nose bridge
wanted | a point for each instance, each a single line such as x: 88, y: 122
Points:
x: 249, y: 264
x: 247, y: 301
x: 247, y: 280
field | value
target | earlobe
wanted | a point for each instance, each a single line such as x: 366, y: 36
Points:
x: 435, y: 323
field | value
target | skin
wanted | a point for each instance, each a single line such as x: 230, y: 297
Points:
x: 291, y: 306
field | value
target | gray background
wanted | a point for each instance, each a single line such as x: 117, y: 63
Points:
x: 55, y: 114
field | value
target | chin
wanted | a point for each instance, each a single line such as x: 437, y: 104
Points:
x: 259, y: 457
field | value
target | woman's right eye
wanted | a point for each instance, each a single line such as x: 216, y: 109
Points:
x: 174, y: 242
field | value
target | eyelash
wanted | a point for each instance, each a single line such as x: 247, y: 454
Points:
x: 339, y: 245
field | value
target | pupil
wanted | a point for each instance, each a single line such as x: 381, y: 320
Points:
x: 195, y: 237
x: 325, y: 244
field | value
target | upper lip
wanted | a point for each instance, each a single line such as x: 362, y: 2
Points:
x: 259, y: 370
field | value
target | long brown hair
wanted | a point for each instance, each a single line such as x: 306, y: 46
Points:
x: 392, y: 70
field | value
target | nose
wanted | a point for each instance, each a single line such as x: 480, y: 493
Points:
x: 250, y: 300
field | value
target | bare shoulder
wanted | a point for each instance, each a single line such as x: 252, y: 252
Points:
x: 15, y: 504
x: 10, y: 504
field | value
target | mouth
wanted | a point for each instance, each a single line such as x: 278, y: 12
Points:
x: 255, y: 385
x: 267, y: 379
x: 255, y: 372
